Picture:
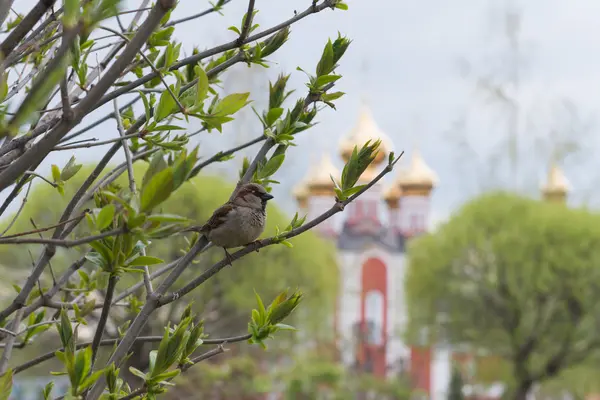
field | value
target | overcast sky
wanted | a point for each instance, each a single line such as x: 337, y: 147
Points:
x: 407, y: 59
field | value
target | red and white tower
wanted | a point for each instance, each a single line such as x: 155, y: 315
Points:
x: 370, y: 316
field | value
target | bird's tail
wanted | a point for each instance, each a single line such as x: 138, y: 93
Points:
x: 203, y: 237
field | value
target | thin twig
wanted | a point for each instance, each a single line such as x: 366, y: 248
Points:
x: 32, y: 158
x: 8, y: 332
x: 100, y: 121
x: 64, y: 242
x: 153, y: 67
x: 247, y: 23
x: 10, y: 342
x: 43, y: 229
x: 132, y: 187
x: 62, y: 281
x: 222, y: 154
x: 21, y: 207
x: 49, y: 182
x: 110, y: 291
x: 196, y: 16
x: 94, y: 142
x: 110, y: 342
x: 215, y: 50
x: 64, y: 95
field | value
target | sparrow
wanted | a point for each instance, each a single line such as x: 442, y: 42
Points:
x: 240, y: 221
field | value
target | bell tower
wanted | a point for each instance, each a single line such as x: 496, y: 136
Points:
x: 416, y: 183
x: 557, y: 186
x: 363, y: 214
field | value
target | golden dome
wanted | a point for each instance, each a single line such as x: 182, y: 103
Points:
x: 365, y: 129
x: 418, y: 179
x: 318, y: 180
x: 557, y: 185
x: 392, y: 195
x: 300, y: 192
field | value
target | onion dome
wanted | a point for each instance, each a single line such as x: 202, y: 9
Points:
x: 418, y: 179
x: 557, y: 185
x: 366, y: 129
x: 301, y: 193
x: 318, y: 180
x: 392, y: 195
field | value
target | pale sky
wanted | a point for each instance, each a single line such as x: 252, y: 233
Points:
x: 405, y: 60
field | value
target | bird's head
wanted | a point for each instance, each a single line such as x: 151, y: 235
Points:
x: 252, y: 195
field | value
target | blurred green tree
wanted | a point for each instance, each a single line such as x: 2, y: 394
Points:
x: 515, y: 277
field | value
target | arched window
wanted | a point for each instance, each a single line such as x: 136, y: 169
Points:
x: 374, y: 312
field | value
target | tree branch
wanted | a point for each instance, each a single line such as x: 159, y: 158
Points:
x: 18, y: 33
x: 41, y: 149
x: 211, y: 52
x: 247, y: 23
x: 112, y: 342
x: 110, y: 291
x: 10, y: 342
x: 63, y: 242
x: 132, y: 188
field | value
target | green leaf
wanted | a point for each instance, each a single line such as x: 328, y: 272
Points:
x: 65, y: 331
x: 286, y: 243
x: 273, y: 115
x: 96, y: 259
x: 90, y: 380
x: 261, y: 306
x: 341, y: 6
x: 325, y: 79
x: 165, y: 107
x: 142, y: 261
x: 48, y: 390
x: 158, y: 189
x: 231, y: 104
x: 105, y: 217
x: 70, y: 169
x: 6, y: 382
x: 331, y: 96
x: 146, y: 105
x: 157, y: 164
x: 202, y: 86
x: 160, y: 218
x: 83, y: 365
x: 137, y: 373
x: 165, y: 128
x: 353, y: 190
x: 4, y: 86
x: 325, y: 64
x: 271, y: 166
x: 55, y: 173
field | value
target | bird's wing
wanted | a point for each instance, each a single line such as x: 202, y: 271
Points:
x: 218, y: 217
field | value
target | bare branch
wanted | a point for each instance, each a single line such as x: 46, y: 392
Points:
x: 63, y: 242
x: 21, y: 207
x: 18, y: 33
x: 110, y: 291
x: 211, y: 52
x: 247, y: 23
x: 132, y: 187
x: 10, y: 342
x: 38, y: 152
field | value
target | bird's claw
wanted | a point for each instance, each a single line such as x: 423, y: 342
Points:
x: 256, y: 245
x: 228, y: 257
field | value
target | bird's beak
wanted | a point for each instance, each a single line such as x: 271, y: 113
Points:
x: 266, y: 196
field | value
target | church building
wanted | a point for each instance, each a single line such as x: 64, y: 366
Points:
x: 371, y: 239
